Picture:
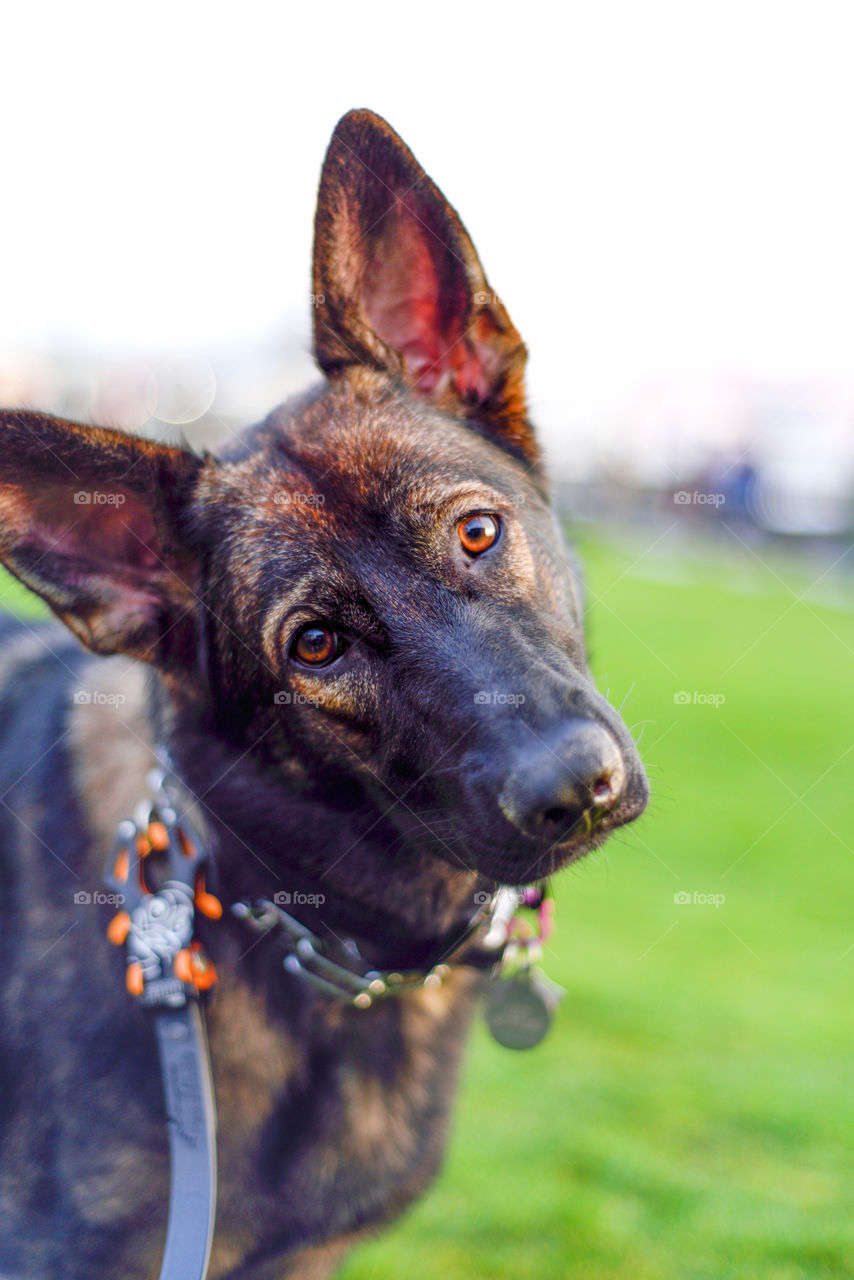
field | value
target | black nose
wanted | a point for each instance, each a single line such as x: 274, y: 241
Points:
x: 560, y: 783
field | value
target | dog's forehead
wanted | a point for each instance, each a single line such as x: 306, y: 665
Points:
x: 339, y: 463
x: 343, y: 497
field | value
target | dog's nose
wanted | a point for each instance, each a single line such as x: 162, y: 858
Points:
x: 557, y: 785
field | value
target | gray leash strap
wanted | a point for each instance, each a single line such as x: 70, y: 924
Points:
x: 191, y: 1121
x: 169, y: 974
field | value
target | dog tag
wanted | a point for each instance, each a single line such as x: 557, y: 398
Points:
x: 520, y: 1008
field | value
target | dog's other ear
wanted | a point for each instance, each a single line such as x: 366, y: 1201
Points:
x: 398, y: 286
x: 91, y: 520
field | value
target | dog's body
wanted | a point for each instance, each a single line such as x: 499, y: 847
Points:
x: 358, y: 634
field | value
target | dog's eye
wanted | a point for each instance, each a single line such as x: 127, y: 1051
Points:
x: 316, y: 646
x: 478, y: 533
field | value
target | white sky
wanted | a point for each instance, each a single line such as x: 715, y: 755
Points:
x: 656, y: 189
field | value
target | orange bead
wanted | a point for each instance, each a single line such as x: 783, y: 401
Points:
x: 183, y: 966
x: 118, y: 928
x: 204, y: 971
x: 158, y: 836
x: 134, y: 979
x: 187, y: 846
x: 122, y: 864
x: 208, y: 905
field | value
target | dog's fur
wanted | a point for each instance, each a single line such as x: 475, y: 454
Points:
x: 395, y: 780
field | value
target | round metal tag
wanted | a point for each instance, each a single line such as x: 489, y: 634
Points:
x: 517, y: 1013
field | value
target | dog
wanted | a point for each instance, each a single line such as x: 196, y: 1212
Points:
x: 359, y: 635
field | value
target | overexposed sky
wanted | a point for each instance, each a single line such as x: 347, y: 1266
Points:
x: 656, y: 189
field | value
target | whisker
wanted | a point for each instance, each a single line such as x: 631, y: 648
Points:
x: 626, y: 698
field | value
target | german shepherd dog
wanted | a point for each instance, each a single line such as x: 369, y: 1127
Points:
x: 359, y: 635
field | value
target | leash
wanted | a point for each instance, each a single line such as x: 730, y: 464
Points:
x: 170, y: 975
x: 158, y: 868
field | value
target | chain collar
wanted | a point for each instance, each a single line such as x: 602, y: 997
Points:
x: 335, y: 969
x: 351, y: 979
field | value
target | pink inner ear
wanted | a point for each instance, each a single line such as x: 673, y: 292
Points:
x: 105, y: 526
x: 409, y: 304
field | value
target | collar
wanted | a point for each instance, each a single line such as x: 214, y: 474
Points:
x: 340, y: 972
x: 333, y: 966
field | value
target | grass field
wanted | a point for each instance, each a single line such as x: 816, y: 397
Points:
x: 691, y: 1115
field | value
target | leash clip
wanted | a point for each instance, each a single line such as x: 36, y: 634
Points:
x: 165, y: 965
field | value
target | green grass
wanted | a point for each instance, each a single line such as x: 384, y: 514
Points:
x: 18, y: 600
x: 691, y: 1114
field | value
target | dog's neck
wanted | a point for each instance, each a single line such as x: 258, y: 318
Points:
x: 268, y: 838
x: 278, y: 839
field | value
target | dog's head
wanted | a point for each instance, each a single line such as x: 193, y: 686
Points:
x: 370, y: 587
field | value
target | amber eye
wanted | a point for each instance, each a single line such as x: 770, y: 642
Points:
x: 316, y: 646
x: 478, y: 533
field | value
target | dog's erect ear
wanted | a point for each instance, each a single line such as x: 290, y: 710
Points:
x: 90, y: 519
x: 398, y: 286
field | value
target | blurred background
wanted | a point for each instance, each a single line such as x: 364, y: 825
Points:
x: 661, y: 193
